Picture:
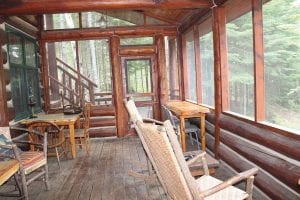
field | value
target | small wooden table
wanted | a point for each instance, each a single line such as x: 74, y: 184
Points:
x: 61, y: 120
x: 184, y: 110
x: 7, y: 169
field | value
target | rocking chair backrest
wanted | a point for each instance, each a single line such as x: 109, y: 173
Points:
x: 133, y: 111
x: 190, y: 180
x: 165, y: 161
x: 135, y: 118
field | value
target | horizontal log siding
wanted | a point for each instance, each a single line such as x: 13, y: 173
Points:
x: 241, y: 148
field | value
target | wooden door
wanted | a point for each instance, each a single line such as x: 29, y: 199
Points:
x: 140, y: 83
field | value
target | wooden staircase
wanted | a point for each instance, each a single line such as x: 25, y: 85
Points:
x: 75, y: 89
x: 103, y: 123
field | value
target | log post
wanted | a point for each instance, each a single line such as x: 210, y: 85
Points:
x: 117, y: 86
x: 54, y: 87
x: 217, y: 23
x: 173, y: 69
x: 162, y: 71
x: 3, y: 101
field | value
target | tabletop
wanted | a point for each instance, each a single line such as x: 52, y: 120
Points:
x: 56, y: 118
x: 181, y: 108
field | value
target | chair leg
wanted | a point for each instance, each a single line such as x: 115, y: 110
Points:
x: 18, y: 185
x: 249, y: 187
x: 80, y: 143
x: 57, y: 156
x: 197, y: 140
x: 87, y: 146
x: 64, y: 148
x: 46, y: 177
x: 191, y: 139
x: 24, y: 185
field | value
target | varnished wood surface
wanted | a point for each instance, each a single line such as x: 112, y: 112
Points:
x: 241, y: 147
x: 61, y: 120
x: 184, y: 108
x: 56, y: 6
x: 7, y: 169
x: 103, y: 175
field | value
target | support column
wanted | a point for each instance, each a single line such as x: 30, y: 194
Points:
x: 162, y: 70
x: 117, y: 86
x: 219, y: 40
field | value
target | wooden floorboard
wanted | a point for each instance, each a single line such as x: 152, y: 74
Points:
x: 104, y: 174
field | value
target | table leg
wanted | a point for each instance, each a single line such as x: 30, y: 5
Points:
x: 72, y: 140
x: 202, y: 136
x: 182, y: 133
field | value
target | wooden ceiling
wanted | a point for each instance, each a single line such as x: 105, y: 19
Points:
x: 170, y: 12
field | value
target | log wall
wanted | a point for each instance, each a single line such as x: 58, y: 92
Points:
x: 243, y: 146
x: 8, y: 112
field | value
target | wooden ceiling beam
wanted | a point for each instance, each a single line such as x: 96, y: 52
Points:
x: 24, y: 7
x: 94, y: 33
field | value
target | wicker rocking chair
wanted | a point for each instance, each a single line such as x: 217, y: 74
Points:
x: 168, y: 161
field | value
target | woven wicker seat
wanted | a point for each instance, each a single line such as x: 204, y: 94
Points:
x: 33, y: 163
x: 174, y: 172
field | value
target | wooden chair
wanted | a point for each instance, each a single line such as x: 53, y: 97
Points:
x: 196, y: 167
x: 82, y: 136
x: 56, y: 138
x: 33, y: 163
x: 190, y: 129
x: 174, y: 173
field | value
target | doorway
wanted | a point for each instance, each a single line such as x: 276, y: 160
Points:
x: 140, y: 84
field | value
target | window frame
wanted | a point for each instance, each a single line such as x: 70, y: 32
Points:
x: 256, y: 8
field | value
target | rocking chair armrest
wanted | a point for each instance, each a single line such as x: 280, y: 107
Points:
x: 231, y: 181
x: 195, y: 158
x: 152, y: 121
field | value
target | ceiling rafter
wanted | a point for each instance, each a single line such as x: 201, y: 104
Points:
x: 24, y: 7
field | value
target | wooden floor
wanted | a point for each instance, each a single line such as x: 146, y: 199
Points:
x: 103, y: 174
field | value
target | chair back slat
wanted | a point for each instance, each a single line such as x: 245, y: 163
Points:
x: 55, y: 135
x: 165, y: 160
x: 133, y: 111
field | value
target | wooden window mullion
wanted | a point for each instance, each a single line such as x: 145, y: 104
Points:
x: 258, y: 52
x: 197, y: 64
x: 185, y: 69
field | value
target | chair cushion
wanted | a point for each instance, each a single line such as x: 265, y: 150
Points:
x: 31, y: 160
x: 6, y: 152
x: 207, y: 182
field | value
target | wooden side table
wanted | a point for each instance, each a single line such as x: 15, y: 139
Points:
x: 185, y: 110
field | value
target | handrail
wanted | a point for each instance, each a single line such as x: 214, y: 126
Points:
x: 69, y: 67
x: 65, y: 87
